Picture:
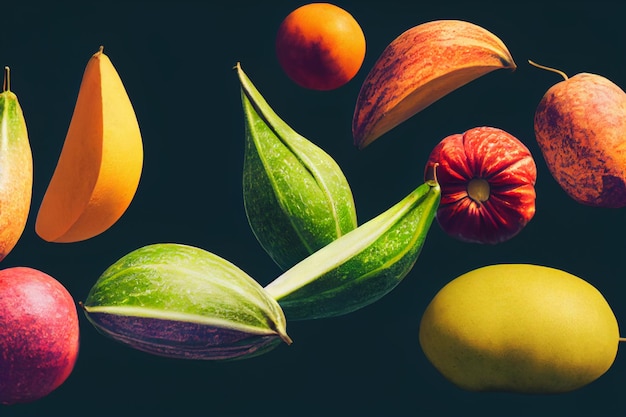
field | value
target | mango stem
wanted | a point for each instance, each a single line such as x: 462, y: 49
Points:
x: 6, y: 85
x: 561, y: 73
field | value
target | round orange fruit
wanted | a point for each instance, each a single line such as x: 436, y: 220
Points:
x: 320, y: 46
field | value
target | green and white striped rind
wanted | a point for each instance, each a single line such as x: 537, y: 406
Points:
x: 180, y: 284
x: 362, y: 266
x: 296, y: 197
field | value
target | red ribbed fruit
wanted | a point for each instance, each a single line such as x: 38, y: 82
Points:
x: 487, y: 179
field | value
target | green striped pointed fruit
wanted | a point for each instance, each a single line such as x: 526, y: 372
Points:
x: 296, y: 197
x: 16, y: 169
x: 362, y: 266
x: 181, y: 301
x: 519, y: 328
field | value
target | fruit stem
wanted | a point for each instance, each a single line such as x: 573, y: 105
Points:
x: 6, y: 85
x: 622, y: 339
x: 564, y: 75
x: 433, y: 172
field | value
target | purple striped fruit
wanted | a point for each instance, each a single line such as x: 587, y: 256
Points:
x: 183, y: 302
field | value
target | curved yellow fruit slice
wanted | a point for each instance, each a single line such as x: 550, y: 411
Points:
x: 100, y: 165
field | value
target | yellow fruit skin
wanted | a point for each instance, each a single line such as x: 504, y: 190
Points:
x: 519, y: 328
x: 100, y: 165
x: 16, y: 172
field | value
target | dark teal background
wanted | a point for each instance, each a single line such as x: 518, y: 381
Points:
x: 176, y: 60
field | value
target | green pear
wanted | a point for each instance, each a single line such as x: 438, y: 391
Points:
x: 519, y: 328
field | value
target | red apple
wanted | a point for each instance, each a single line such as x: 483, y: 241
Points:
x: 487, y: 179
x: 40, y: 336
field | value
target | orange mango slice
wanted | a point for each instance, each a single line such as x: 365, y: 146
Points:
x: 100, y: 165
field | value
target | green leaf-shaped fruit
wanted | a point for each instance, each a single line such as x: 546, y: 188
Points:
x: 296, y: 197
x: 361, y: 266
x: 180, y: 301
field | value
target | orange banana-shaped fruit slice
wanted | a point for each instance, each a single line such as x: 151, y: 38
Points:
x: 419, y: 67
x: 100, y: 165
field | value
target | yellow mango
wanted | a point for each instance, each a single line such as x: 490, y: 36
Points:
x: 100, y: 165
x: 16, y: 169
x: 519, y: 328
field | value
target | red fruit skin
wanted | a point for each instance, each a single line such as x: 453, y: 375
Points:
x: 505, y: 163
x: 580, y: 127
x: 40, y: 335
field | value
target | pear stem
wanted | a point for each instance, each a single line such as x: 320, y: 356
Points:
x: 6, y: 85
x: 561, y: 73
x: 622, y: 339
